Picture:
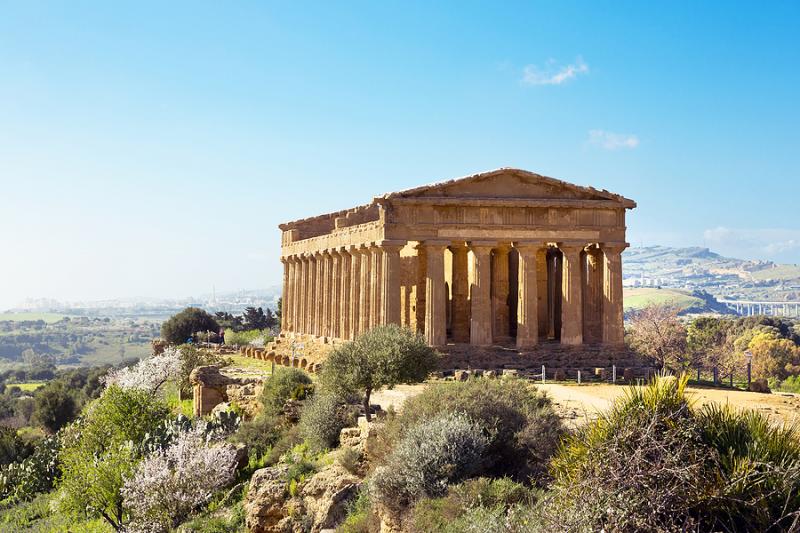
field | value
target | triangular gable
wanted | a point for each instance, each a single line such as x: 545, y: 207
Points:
x: 509, y: 183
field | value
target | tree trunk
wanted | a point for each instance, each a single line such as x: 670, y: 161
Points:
x: 366, y: 404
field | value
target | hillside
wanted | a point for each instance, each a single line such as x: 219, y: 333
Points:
x: 694, y: 268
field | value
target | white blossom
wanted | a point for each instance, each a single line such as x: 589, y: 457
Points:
x: 148, y: 374
x: 171, y: 483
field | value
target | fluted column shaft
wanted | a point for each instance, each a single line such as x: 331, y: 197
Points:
x: 376, y: 285
x: 390, y: 282
x: 460, y: 307
x: 364, y: 292
x: 319, y: 267
x: 571, y: 291
x: 480, y: 331
x: 355, y: 293
x: 301, y: 297
x: 344, y: 295
x: 435, y: 297
x: 500, y: 290
x: 613, y: 327
x: 285, y: 294
x: 527, y: 300
x: 335, y: 284
x: 325, y: 300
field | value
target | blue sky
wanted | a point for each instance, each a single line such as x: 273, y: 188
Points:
x: 151, y: 149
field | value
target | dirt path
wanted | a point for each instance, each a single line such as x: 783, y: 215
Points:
x: 579, y: 403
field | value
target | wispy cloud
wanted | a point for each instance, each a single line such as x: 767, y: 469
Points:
x: 767, y: 243
x: 553, y: 74
x: 613, y: 141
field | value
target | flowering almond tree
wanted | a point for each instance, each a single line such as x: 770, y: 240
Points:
x: 148, y: 374
x: 171, y: 483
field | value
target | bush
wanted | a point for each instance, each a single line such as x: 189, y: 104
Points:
x: 258, y: 337
x: 384, y: 356
x: 432, y: 454
x: 100, y: 451
x: 475, y: 500
x: 790, y: 384
x: 180, y: 327
x: 36, y: 473
x: 260, y: 434
x: 12, y: 447
x: 284, y: 384
x: 653, y: 463
x: 523, y: 428
x: 54, y: 406
x: 171, y: 483
x: 323, y: 419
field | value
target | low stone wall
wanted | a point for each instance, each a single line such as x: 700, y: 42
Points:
x: 279, y: 351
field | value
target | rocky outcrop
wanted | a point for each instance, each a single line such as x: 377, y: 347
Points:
x: 326, y: 495
x: 265, y: 502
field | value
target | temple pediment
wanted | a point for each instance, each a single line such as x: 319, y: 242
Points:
x: 510, y: 184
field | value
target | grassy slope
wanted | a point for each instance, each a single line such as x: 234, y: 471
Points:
x: 785, y: 272
x: 640, y: 297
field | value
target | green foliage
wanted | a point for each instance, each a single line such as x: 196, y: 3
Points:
x: 433, y: 453
x: 323, y: 419
x: 360, y: 516
x: 524, y: 429
x: 37, y: 515
x: 303, y: 463
x: 475, y: 500
x: 12, y: 447
x: 790, y: 384
x: 654, y: 463
x: 23, y: 479
x: 102, y: 449
x: 286, y: 383
x: 260, y: 434
x: 382, y: 357
x: 182, y: 326
x: 54, y: 406
x: 243, y: 338
x: 191, y: 358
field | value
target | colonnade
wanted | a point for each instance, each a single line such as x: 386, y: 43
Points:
x: 495, y: 292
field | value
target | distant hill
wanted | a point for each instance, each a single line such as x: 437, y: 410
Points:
x: 700, y: 269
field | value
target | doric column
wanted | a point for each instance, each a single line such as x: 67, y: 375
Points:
x: 376, y: 285
x: 325, y: 319
x: 593, y: 295
x: 571, y: 306
x: 500, y: 289
x: 298, y: 317
x: 421, y: 282
x: 292, y: 305
x: 613, y: 328
x: 336, y: 274
x: 435, y: 297
x: 319, y: 284
x: 284, y: 294
x: 460, y: 289
x: 311, y: 293
x: 355, y: 292
x: 390, y: 278
x: 527, y: 299
x: 365, y: 288
x: 480, y: 331
x: 344, y: 295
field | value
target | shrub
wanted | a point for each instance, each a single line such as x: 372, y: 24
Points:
x: 35, y: 473
x: 54, y: 406
x: 323, y: 419
x: 190, y: 358
x: 360, y: 516
x: 481, y: 500
x: 100, y: 451
x: 169, y: 484
x: 284, y: 384
x: 255, y: 337
x: 432, y: 454
x: 259, y: 434
x: 349, y: 459
x: 180, y: 327
x: 384, y: 356
x: 760, y: 468
x: 524, y: 429
x: 12, y: 447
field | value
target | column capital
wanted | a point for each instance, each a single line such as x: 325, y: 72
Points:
x: 481, y: 245
x: 436, y: 243
x: 614, y: 247
x: 391, y: 244
x: 573, y: 247
x: 530, y: 245
x: 458, y: 245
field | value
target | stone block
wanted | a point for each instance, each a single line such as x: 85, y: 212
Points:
x: 760, y: 385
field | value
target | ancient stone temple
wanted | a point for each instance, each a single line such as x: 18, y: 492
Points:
x: 506, y: 257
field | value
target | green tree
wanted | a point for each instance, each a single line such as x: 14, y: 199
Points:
x: 101, y: 451
x: 382, y: 357
x: 183, y: 325
x: 54, y: 406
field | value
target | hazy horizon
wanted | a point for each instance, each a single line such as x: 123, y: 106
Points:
x: 152, y: 149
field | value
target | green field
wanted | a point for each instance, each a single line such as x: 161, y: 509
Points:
x: 779, y: 272
x: 24, y: 317
x: 29, y: 386
x: 642, y: 297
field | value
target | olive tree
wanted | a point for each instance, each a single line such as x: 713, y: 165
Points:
x: 382, y: 357
x: 183, y: 325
